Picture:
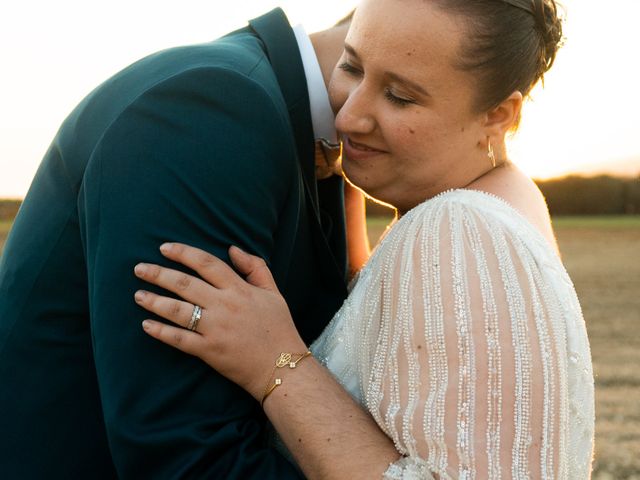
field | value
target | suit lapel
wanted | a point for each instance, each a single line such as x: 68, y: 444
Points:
x: 284, y: 55
x: 282, y: 49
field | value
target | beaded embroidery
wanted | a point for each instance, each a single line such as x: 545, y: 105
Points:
x: 464, y: 339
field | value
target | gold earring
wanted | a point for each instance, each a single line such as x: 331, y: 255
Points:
x: 491, y: 154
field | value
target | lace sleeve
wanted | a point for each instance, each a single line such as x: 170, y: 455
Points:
x: 462, y: 350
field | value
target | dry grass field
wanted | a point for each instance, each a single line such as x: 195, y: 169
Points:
x: 602, y: 255
x: 603, y: 258
x: 5, y: 225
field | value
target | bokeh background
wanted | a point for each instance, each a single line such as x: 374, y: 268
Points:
x: 580, y: 138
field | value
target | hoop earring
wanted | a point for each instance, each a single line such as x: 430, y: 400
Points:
x: 491, y: 154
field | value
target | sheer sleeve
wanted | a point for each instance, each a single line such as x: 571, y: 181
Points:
x: 461, y: 345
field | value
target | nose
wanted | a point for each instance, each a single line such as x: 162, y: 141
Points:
x: 356, y: 114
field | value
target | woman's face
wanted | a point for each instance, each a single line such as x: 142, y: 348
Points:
x: 404, y: 110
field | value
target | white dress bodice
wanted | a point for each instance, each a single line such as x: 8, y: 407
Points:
x: 464, y: 339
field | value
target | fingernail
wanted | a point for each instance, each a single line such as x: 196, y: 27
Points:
x: 140, y: 269
x: 146, y: 325
x: 166, y: 247
x: 239, y: 249
x: 139, y: 296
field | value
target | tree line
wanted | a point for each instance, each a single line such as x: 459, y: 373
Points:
x: 601, y: 195
x: 9, y: 209
x: 576, y: 195
x: 572, y: 195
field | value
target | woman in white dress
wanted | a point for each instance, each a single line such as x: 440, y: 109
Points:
x: 461, y: 351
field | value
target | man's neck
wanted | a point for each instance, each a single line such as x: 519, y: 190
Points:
x: 328, y: 45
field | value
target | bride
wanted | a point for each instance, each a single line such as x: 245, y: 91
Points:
x: 461, y: 351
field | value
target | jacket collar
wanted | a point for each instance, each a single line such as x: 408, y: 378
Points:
x: 283, y: 52
x: 284, y: 55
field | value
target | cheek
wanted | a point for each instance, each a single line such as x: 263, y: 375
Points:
x: 421, y: 147
x: 425, y: 133
x: 406, y: 135
x: 338, y: 92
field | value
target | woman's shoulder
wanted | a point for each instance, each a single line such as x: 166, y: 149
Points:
x: 517, y: 189
x: 454, y: 215
x: 455, y: 226
x: 507, y: 197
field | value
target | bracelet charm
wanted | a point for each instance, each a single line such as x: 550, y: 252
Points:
x: 282, y: 361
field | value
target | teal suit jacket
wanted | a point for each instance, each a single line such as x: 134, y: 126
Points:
x: 209, y: 145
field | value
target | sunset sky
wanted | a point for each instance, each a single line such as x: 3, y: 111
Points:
x: 54, y: 53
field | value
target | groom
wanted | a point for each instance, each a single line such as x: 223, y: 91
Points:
x: 209, y: 145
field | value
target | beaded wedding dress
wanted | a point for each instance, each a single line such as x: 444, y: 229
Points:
x: 464, y: 339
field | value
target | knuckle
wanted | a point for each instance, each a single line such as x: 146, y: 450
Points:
x: 263, y: 267
x: 149, y: 300
x: 183, y: 281
x: 153, y: 271
x: 175, y: 309
x: 177, y: 338
x: 231, y: 305
x: 216, y: 345
x: 205, y: 260
x: 246, y: 294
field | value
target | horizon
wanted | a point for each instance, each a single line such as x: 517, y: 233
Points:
x: 583, y: 122
x: 595, y: 175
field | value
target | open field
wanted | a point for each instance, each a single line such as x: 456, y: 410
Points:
x: 5, y: 225
x: 602, y: 256
x: 604, y: 264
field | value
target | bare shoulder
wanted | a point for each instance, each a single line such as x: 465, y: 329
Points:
x: 512, y: 185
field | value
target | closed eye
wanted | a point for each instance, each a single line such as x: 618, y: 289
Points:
x: 400, y: 101
x: 347, y: 67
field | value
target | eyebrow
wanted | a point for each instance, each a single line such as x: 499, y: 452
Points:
x: 407, y: 82
x: 350, y: 50
x: 393, y: 76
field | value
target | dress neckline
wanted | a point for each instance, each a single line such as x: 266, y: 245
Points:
x: 506, y: 208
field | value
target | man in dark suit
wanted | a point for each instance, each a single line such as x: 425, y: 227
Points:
x: 211, y: 145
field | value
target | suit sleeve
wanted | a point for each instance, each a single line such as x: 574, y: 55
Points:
x: 203, y: 158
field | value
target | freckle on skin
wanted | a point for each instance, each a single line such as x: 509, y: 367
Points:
x: 412, y: 131
x: 462, y: 129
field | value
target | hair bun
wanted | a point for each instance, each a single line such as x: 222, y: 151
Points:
x: 549, y: 24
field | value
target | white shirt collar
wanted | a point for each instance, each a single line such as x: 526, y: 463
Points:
x: 322, y: 116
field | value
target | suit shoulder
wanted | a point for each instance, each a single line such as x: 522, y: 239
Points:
x: 208, y: 76
x: 239, y: 53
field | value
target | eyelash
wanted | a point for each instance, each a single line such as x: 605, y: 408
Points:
x: 399, y: 101
x: 347, y: 67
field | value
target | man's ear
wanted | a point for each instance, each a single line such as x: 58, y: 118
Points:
x: 504, y: 117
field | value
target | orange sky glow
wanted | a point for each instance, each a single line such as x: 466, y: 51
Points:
x: 585, y: 120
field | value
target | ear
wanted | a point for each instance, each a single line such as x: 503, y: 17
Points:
x: 503, y: 118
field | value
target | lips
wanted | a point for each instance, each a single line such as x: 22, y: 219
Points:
x: 359, y: 151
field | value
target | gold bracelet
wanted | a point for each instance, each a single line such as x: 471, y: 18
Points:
x: 285, y: 359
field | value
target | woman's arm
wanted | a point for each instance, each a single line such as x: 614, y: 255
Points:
x: 328, y: 433
x: 462, y: 356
